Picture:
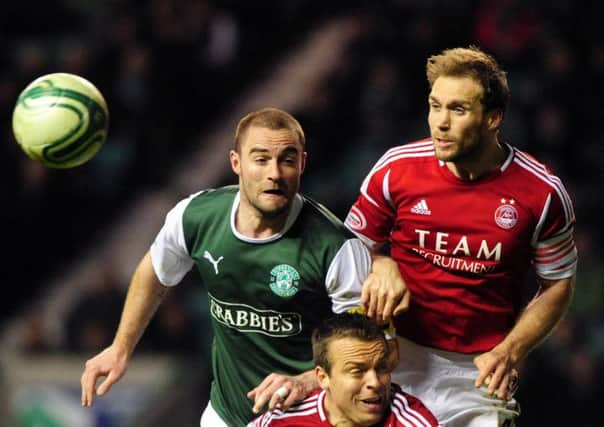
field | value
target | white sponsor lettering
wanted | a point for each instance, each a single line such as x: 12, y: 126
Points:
x: 462, y: 246
x: 288, y: 326
x: 453, y: 263
x: 246, y: 318
x: 441, y: 242
x: 422, y: 237
x: 242, y: 318
x: 484, y: 249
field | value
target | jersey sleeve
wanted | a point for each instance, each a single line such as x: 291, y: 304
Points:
x: 169, y: 253
x: 409, y: 410
x: 260, y: 421
x: 372, y: 215
x: 346, y: 274
x: 554, y: 250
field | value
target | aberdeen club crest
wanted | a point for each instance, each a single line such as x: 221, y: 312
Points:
x: 506, y: 215
x: 284, y: 280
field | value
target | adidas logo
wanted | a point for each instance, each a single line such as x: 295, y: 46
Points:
x: 421, y: 208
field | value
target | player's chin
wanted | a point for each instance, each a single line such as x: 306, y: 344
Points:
x: 371, y: 409
x: 275, y: 208
x: 446, y: 155
x: 369, y: 418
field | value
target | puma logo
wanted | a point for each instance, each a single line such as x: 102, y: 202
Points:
x: 214, y: 262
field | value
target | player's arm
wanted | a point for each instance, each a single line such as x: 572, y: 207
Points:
x: 283, y: 389
x: 371, y: 218
x: 555, y: 260
x: 385, y: 293
x: 533, y: 326
x: 144, y: 296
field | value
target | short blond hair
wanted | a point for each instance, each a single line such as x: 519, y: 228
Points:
x: 472, y: 62
x: 270, y: 118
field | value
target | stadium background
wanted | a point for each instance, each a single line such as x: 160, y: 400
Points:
x: 177, y: 75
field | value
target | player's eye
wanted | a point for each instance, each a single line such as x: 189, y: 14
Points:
x: 355, y: 371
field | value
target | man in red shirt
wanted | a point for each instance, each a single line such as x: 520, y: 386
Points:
x: 353, y: 370
x: 465, y: 216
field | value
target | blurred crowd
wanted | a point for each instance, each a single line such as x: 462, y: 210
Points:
x: 168, y: 68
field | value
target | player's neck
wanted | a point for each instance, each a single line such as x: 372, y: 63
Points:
x: 252, y: 223
x: 480, y: 163
x: 335, y: 416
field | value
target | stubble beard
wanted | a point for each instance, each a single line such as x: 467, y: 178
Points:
x: 459, y: 153
x: 273, y: 213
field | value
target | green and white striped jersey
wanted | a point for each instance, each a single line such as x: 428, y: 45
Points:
x: 266, y: 295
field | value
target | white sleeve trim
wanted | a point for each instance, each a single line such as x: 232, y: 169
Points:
x: 346, y: 274
x: 386, y: 189
x: 169, y: 254
x: 556, y: 258
x: 371, y: 244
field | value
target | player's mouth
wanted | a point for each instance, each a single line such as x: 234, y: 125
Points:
x: 274, y: 194
x: 442, y: 142
x: 373, y: 404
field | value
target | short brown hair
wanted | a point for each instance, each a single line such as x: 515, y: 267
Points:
x: 475, y: 63
x: 343, y: 325
x: 271, y: 118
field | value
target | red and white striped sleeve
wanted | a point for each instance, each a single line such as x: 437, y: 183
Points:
x: 554, y: 251
x: 372, y: 215
x: 410, y: 411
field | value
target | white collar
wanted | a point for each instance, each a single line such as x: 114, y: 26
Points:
x: 294, y: 211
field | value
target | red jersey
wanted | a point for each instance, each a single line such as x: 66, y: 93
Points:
x: 405, y: 410
x: 464, y: 248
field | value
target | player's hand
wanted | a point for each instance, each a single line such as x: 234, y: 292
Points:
x: 385, y: 293
x: 495, y: 370
x: 282, y: 391
x: 111, y: 364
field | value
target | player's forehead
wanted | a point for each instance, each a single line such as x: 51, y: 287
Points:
x: 351, y: 351
x: 258, y: 138
x: 461, y: 89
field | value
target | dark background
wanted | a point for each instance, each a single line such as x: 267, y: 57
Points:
x: 169, y: 69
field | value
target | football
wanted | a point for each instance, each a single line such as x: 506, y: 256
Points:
x: 61, y: 120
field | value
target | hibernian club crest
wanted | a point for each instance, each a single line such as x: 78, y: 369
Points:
x: 284, y: 280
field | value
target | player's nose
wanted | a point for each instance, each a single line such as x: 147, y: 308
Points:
x: 274, y: 170
x: 444, y: 120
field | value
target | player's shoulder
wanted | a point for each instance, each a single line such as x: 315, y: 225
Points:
x: 320, y: 219
x: 411, y: 152
x: 212, y: 204
x: 530, y: 168
x: 405, y: 405
x: 209, y: 195
x: 216, y: 198
x: 303, y: 413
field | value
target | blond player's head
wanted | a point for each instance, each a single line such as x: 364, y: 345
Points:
x: 472, y: 62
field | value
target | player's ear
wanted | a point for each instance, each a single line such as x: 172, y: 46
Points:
x: 303, y: 161
x: 322, y: 377
x: 494, y: 119
x: 235, y: 161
